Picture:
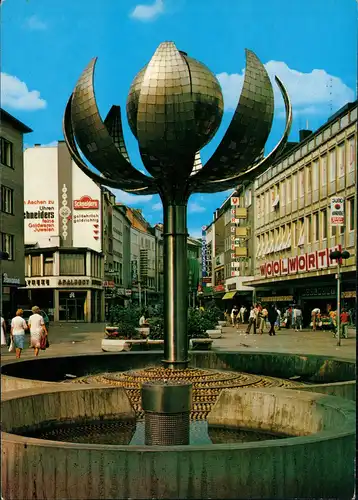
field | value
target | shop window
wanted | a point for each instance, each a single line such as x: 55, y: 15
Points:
x: 351, y: 214
x: 6, y: 152
x: 7, y: 245
x: 7, y: 200
x: 72, y: 264
x: 36, y: 265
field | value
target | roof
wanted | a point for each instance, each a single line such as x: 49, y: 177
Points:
x: 4, y: 115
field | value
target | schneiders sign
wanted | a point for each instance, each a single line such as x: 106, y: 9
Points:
x: 306, y: 262
x: 85, y: 203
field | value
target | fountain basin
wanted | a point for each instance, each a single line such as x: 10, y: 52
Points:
x: 299, y: 466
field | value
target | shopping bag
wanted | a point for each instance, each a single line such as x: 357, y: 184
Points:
x: 47, y: 343
x: 43, y: 343
x: 11, y: 347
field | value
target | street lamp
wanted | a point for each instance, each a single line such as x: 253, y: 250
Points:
x: 338, y: 255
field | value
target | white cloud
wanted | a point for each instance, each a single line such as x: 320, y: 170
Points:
x: 148, y: 12
x: 34, y: 23
x: 157, y: 206
x: 310, y: 93
x: 130, y: 199
x: 16, y: 95
x: 195, y: 208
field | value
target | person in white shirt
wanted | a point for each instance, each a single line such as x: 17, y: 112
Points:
x: 3, y: 330
x: 37, y: 329
x: 315, y: 314
x: 242, y: 313
x: 18, y: 328
x: 252, y: 320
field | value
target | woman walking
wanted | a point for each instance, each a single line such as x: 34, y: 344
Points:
x: 18, y: 328
x: 38, y: 330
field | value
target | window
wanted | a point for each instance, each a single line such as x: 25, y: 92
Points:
x: 283, y: 193
x: 301, y: 176
x: 267, y: 202
x: 333, y: 230
x: 72, y: 264
x: 27, y: 264
x: 294, y: 234
x: 308, y: 179
x: 315, y: 175
x: 323, y: 178
x: 7, y: 245
x: 7, y: 200
x: 341, y: 169
x: 294, y: 187
x: 288, y: 189
x: 48, y: 264
x: 36, y: 265
x: 332, y: 165
x: 309, y: 228
x: 350, y: 155
x: 301, y: 232
x: 6, y: 153
x: 324, y: 223
x: 351, y: 214
x: 316, y: 226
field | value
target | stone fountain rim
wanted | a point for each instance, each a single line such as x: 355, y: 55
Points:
x: 346, y: 407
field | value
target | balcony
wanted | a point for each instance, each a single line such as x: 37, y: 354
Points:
x: 240, y: 252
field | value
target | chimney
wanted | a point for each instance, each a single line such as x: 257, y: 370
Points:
x: 303, y: 134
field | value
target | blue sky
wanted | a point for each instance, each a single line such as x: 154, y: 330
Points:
x: 310, y: 44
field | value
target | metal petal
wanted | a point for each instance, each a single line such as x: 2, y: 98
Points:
x: 263, y: 163
x: 113, y: 123
x: 93, y: 138
x: 197, y: 163
x: 248, y: 131
x: 73, y: 150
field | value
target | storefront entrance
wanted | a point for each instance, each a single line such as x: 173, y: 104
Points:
x: 72, y: 306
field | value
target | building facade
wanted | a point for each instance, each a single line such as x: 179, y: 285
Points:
x: 63, y: 228
x: 294, y: 229
x: 12, y: 273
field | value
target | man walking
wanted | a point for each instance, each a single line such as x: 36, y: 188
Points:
x: 272, y: 317
x: 252, y: 320
x: 242, y: 314
x: 297, y: 317
x: 234, y: 316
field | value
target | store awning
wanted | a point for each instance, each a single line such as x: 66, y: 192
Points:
x: 229, y: 295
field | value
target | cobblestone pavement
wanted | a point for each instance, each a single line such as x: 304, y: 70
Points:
x: 86, y: 338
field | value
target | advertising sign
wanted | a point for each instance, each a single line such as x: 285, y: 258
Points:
x: 134, y: 272
x: 85, y: 203
x: 337, y: 211
x: 203, y: 255
x: 235, y: 201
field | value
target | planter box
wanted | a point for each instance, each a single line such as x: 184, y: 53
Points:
x: 115, y: 345
x: 222, y: 323
x: 218, y: 327
x: 214, y: 334
x: 200, y: 344
x: 143, y: 332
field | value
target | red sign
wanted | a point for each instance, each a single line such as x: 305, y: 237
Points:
x: 85, y: 203
x: 219, y: 288
x: 303, y: 263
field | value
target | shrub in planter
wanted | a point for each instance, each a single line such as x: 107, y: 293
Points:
x: 128, y: 315
x: 213, y: 314
x: 156, y: 328
x: 197, y: 325
x: 122, y: 331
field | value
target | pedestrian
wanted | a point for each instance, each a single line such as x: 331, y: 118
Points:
x: 38, y: 332
x: 297, y: 315
x: 263, y: 314
x: 235, y: 316
x: 242, y: 314
x: 143, y: 320
x: 252, y: 320
x: 272, y: 317
x: 18, y: 328
x: 258, y: 315
x: 314, y: 318
x: 344, y: 323
x: 3, y: 331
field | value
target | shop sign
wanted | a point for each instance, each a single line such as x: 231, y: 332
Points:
x: 207, y: 279
x: 231, y: 286
x: 235, y: 201
x: 203, y: 253
x: 349, y: 295
x: 279, y: 298
x: 85, y: 203
x: 7, y: 280
x: 235, y: 273
x: 108, y: 284
x: 319, y: 291
x: 303, y: 263
x: 74, y: 282
x: 337, y: 211
x: 219, y: 288
x: 38, y: 282
x: 134, y: 272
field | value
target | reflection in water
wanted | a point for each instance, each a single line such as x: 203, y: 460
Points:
x: 117, y: 432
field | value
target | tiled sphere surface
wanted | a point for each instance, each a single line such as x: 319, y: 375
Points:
x: 174, y: 102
